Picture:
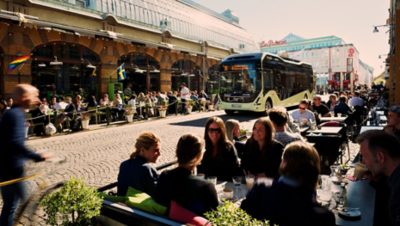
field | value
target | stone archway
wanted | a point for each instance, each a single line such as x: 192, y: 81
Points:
x: 142, y: 70
x: 185, y: 71
x: 60, y: 68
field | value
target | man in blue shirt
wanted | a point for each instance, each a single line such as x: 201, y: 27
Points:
x: 14, y: 152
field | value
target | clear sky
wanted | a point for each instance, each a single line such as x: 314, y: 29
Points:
x: 351, y: 20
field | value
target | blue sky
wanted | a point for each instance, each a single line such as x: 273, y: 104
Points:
x: 351, y: 20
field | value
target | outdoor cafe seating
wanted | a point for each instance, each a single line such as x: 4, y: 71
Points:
x: 352, y: 202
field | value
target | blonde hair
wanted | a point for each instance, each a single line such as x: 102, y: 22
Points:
x: 230, y: 125
x: 145, y: 141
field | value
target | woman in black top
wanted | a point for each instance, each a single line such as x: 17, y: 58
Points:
x: 137, y: 172
x: 263, y: 153
x: 290, y: 200
x: 220, y: 158
x: 179, y: 185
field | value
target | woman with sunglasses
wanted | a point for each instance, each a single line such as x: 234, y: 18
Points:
x: 263, y: 153
x: 220, y: 158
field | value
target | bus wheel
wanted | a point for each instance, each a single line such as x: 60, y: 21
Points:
x: 229, y: 112
x: 268, y: 105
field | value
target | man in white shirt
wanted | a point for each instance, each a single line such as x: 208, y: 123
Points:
x: 185, y: 96
x: 302, y: 115
x: 61, y: 105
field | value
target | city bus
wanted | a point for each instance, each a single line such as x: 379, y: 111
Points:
x: 258, y: 81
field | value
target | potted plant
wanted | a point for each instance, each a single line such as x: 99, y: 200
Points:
x: 162, y: 108
x: 229, y: 214
x: 189, y: 105
x: 74, y: 204
x: 85, y: 116
x: 129, y: 112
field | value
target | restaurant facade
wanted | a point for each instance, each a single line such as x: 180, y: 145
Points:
x: 76, y: 46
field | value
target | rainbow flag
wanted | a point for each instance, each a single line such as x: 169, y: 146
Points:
x: 15, y: 63
x: 121, y: 72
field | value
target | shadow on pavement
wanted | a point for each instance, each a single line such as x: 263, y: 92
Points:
x: 202, y: 121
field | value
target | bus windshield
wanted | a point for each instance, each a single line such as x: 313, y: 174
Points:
x: 239, y: 82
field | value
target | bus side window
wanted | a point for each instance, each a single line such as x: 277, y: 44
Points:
x: 268, y: 80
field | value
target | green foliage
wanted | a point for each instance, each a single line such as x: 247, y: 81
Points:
x: 229, y: 214
x: 74, y: 204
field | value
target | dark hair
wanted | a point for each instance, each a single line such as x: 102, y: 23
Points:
x: 379, y: 139
x: 189, y: 149
x: 223, y: 140
x: 278, y: 116
x: 269, y: 130
x: 301, y: 162
x: 395, y: 109
x: 305, y: 101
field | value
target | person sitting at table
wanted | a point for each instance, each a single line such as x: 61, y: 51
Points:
x: 179, y: 185
x: 342, y: 107
x: 118, y: 104
x: 381, y: 154
x: 332, y: 102
x: 104, y: 101
x: 39, y: 118
x: 320, y: 108
x: 233, y: 135
x: 263, y: 153
x: 303, y: 115
x: 220, y: 158
x: 279, y: 118
x: 290, y: 200
x: 137, y: 172
x: 393, y: 124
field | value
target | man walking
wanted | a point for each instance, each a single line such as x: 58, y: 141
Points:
x: 14, y: 152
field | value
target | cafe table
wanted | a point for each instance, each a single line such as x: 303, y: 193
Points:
x: 327, y: 130
x: 366, y: 128
x: 337, y: 119
x: 360, y: 194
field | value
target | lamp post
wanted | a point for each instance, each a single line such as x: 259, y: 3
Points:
x: 376, y: 30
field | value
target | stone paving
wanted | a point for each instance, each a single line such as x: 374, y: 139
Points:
x: 95, y: 155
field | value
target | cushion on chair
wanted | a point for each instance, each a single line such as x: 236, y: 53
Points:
x: 178, y: 213
x: 143, y: 201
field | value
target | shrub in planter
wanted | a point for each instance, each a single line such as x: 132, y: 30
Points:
x: 74, y: 204
x: 229, y: 214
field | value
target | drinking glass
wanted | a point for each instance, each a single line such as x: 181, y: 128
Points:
x: 334, y: 169
x: 250, y: 181
x: 212, y: 180
x: 237, y: 181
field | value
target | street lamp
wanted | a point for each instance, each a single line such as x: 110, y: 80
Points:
x: 376, y: 30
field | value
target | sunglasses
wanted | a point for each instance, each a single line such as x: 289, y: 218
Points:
x: 302, y: 108
x: 217, y: 130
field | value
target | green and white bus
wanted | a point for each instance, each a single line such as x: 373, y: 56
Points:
x: 258, y: 81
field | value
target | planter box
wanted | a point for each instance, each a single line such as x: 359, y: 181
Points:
x: 163, y: 113
x: 129, y: 118
x: 85, y: 124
